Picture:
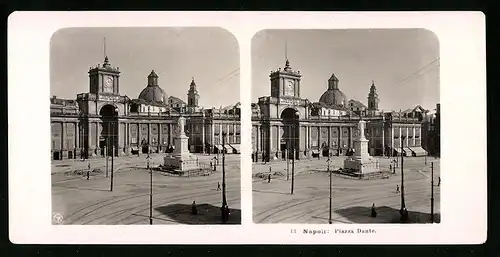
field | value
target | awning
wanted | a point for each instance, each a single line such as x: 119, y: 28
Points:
x: 219, y: 147
x: 408, y: 150
x: 236, y: 148
x: 418, y: 151
x: 315, y: 151
x: 397, y: 149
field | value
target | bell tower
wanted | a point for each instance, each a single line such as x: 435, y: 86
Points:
x: 193, y: 96
x: 104, y: 79
x: 286, y: 82
x: 373, y: 99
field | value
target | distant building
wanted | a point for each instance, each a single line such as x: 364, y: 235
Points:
x: 284, y: 122
x: 104, y: 119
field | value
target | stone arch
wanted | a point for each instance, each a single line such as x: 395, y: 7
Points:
x: 290, y: 140
x: 109, y: 136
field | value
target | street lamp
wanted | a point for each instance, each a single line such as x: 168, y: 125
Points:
x: 150, y: 194
x: 113, y: 148
x: 295, y: 116
x: 403, y: 211
x: 224, y: 207
x: 432, y: 192
x: 330, y: 177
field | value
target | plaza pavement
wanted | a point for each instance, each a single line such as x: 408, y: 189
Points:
x: 351, y: 198
x: 82, y: 201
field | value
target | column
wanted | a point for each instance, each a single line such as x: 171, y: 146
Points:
x: 160, y: 141
x: 340, y: 145
x: 350, y: 138
x: 212, y: 136
x: 171, y: 134
x: 392, y: 140
x: 149, y: 137
x: 97, y: 136
x: 413, y: 143
x: 64, y: 151
x: 400, y: 137
x: 270, y: 144
x: 76, y: 151
x: 88, y: 142
x: 278, y: 144
x: 407, y: 139
x: 127, y: 145
x: 383, y: 139
x: 203, y: 136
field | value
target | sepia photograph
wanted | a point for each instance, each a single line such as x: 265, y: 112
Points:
x: 346, y: 126
x: 185, y: 128
x: 145, y: 126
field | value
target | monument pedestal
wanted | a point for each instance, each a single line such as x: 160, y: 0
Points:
x: 181, y: 159
x: 361, y: 161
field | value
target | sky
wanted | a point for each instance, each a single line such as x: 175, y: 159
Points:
x: 403, y: 63
x: 210, y: 55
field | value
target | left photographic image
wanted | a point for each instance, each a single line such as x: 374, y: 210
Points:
x: 145, y: 126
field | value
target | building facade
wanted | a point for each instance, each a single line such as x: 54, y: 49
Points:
x: 285, y: 122
x: 104, y: 122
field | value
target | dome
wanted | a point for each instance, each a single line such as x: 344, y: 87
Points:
x: 153, y: 92
x: 333, y: 97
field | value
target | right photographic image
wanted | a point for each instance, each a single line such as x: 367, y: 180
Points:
x: 346, y: 126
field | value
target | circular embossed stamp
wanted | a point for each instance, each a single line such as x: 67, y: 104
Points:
x: 57, y: 218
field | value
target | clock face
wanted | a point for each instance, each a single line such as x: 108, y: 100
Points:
x: 289, y: 87
x: 108, y: 84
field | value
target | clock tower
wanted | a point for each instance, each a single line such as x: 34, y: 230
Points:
x: 104, y: 79
x: 285, y: 83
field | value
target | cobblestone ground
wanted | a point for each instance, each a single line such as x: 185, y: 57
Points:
x: 81, y: 201
x: 351, y: 198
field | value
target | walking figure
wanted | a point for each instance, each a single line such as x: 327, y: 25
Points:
x: 269, y: 178
x: 439, y: 181
x: 194, y: 211
x: 210, y: 163
x: 374, y: 212
x: 88, y: 174
x: 218, y: 186
x: 397, y: 189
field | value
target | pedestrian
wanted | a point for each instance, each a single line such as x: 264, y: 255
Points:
x: 210, y: 163
x: 227, y: 212
x: 218, y: 186
x: 397, y: 189
x: 374, y: 212
x: 269, y: 178
x: 439, y: 180
x: 194, y: 211
x: 88, y: 174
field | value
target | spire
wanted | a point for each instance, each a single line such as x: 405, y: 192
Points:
x: 104, y: 48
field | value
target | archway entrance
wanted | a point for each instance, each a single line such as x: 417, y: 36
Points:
x: 109, y: 135
x: 290, y: 138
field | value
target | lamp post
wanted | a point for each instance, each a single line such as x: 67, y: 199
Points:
x: 287, y: 159
x: 224, y: 202
x: 294, y: 153
x: 330, y: 178
x: 106, y: 152
x: 432, y: 192
x: 150, y: 195
x: 403, y: 211
x: 113, y: 148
